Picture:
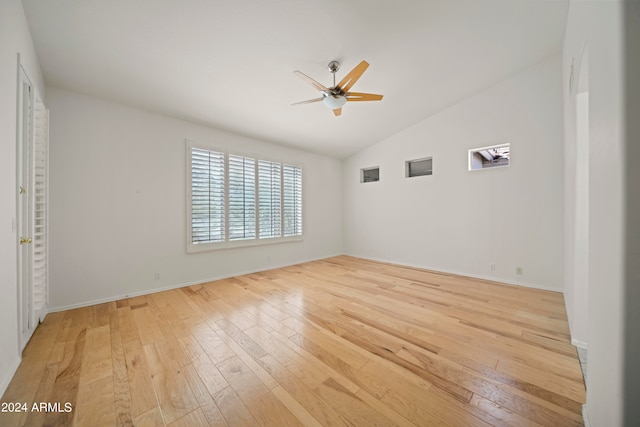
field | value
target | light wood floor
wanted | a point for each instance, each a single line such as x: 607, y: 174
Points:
x: 342, y: 341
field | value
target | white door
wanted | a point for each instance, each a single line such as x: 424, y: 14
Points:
x: 32, y: 177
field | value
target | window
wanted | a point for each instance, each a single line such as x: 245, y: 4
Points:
x: 292, y: 200
x: 270, y: 199
x: 418, y: 167
x: 207, y: 196
x: 370, y: 174
x: 242, y: 197
x: 238, y: 200
x: 489, y: 157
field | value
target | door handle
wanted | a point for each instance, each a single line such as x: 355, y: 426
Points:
x: 23, y: 240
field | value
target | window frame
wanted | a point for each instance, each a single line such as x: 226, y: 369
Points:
x: 227, y: 243
x: 472, y: 151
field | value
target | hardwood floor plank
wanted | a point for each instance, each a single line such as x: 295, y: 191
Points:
x: 122, y: 396
x: 250, y: 362
x: 303, y: 394
x: 350, y: 405
x: 174, y: 394
x: 509, y: 417
x: 426, y: 413
x: 257, y: 397
x: 143, y: 396
x: 151, y: 418
x: 295, y: 407
x: 335, y: 342
x: 146, y: 322
x: 573, y: 390
x: 97, y: 359
x: 212, y: 344
x: 96, y: 404
x: 194, y: 418
x: 300, y: 367
x: 126, y: 325
x: 383, y: 409
x: 45, y: 389
x: 529, y: 406
x: 268, y: 410
x: 247, y: 344
x: 201, y: 393
x: 234, y: 411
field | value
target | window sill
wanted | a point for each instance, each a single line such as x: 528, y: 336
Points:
x: 208, y: 247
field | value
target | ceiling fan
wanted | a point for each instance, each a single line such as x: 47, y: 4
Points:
x: 336, y: 96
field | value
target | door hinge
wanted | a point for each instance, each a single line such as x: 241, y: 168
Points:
x: 25, y: 240
x: 21, y: 190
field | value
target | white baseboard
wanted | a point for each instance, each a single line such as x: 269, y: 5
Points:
x: 579, y: 344
x: 178, y: 285
x: 8, y: 375
x: 585, y: 416
x: 465, y: 274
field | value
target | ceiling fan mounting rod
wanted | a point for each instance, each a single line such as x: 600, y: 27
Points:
x: 333, y: 67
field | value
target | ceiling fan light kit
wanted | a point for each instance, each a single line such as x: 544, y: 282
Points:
x: 334, y: 102
x: 336, y: 96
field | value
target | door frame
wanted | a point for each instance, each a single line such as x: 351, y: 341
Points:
x: 24, y: 214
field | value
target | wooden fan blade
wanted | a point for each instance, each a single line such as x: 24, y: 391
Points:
x: 337, y: 111
x: 356, y: 96
x: 308, y: 101
x: 312, y: 82
x: 353, y: 76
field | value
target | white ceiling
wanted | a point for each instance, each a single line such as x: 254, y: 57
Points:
x: 229, y: 64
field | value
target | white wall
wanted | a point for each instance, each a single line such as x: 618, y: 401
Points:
x: 118, y: 208
x: 14, y: 38
x: 597, y: 26
x: 461, y: 221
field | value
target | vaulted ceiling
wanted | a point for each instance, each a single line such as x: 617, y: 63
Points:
x: 229, y: 64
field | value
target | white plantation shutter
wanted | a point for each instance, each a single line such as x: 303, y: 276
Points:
x: 242, y: 197
x: 235, y: 200
x: 292, y: 200
x: 39, y: 195
x: 269, y: 199
x: 207, y: 196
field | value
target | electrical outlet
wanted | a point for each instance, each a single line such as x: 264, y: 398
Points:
x: 156, y: 276
x: 493, y: 267
x: 519, y: 271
